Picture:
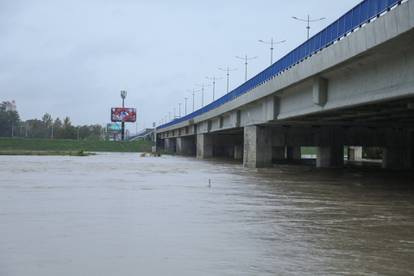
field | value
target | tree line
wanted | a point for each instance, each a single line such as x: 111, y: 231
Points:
x: 46, y: 127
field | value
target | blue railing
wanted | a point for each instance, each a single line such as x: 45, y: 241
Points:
x: 356, y: 17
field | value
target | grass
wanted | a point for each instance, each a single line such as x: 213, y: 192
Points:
x: 308, y: 150
x: 21, y: 146
x: 45, y: 152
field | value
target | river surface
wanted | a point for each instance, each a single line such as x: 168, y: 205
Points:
x: 122, y: 214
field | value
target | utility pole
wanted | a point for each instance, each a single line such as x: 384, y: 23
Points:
x: 308, y: 20
x: 246, y: 59
x: 123, y: 96
x: 213, y: 79
x: 271, y: 43
x: 193, y: 99
x: 193, y: 94
x: 202, y: 93
x: 227, y: 70
x: 185, y: 106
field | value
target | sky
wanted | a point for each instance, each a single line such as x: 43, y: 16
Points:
x: 72, y: 57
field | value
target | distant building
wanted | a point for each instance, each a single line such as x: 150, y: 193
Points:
x: 9, y: 106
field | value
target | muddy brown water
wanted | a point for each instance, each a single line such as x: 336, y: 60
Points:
x: 122, y: 214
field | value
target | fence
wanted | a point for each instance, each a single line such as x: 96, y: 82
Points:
x: 361, y: 14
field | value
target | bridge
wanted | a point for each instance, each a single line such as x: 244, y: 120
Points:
x: 352, y: 84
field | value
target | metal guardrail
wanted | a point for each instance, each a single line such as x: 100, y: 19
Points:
x: 361, y: 14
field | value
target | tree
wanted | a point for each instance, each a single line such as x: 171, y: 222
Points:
x: 9, y: 122
x: 47, y: 120
x: 57, y: 128
x: 36, y: 129
x: 69, y: 131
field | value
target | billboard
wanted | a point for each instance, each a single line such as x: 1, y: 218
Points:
x: 123, y: 114
x: 113, y: 128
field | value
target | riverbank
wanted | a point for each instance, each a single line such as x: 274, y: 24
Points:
x: 45, y: 153
x: 20, y: 146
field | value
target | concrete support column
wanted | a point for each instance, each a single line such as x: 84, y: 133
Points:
x: 204, y: 146
x: 293, y: 153
x: 185, y: 145
x: 278, y: 153
x: 238, y: 152
x: 179, y: 146
x: 330, y: 156
x: 170, y: 145
x: 397, y: 158
x: 399, y: 153
x: 159, y: 144
x: 354, y: 153
x: 257, y: 147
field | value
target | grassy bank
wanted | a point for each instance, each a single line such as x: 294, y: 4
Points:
x: 70, y: 146
x: 45, y: 153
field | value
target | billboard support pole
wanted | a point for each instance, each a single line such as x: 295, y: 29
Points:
x: 123, y: 95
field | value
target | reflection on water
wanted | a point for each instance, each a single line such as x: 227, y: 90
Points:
x: 121, y: 214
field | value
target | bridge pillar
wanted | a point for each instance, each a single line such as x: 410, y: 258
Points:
x: 278, y: 153
x: 257, y: 147
x: 170, y: 145
x: 395, y: 158
x: 293, y: 153
x: 159, y: 143
x: 238, y: 152
x: 204, y: 146
x: 185, y: 146
x: 330, y: 156
x: 399, y: 154
x: 354, y: 153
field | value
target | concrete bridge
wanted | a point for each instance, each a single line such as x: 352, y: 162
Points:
x: 353, y: 89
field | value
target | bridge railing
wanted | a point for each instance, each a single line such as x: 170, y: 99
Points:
x: 361, y: 14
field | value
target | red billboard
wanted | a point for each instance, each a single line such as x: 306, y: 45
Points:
x: 123, y: 114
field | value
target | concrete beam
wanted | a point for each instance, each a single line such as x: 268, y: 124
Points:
x: 320, y: 91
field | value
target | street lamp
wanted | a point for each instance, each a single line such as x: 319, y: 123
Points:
x: 227, y: 70
x: 193, y: 94
x: 246, y: 59
x: 308, y: 20
x: 179, y: 110
x: 271, y: 43
x: 202, y: 92
x: 185, y: 105
x: 213, y: 79
x: 123, y: 96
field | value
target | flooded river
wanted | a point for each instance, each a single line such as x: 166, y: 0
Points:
x: 121, y: 214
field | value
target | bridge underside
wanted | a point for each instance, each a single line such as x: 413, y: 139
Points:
x: 388, y: 126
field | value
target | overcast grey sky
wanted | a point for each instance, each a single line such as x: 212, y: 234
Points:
x: 72, y: 57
